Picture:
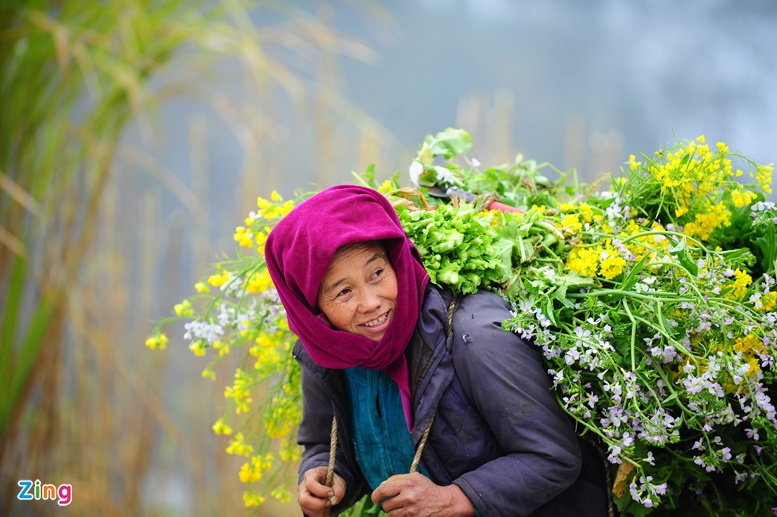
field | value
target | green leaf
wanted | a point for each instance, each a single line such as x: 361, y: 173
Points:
x: 549, y: 313
x: 449, y: 143
x: 680, y: 251
x: 633, y: 276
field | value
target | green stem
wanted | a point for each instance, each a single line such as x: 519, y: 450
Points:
x: 633, y: 335
x: 653, y: 295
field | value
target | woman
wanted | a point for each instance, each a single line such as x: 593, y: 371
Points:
x: 382, y: 353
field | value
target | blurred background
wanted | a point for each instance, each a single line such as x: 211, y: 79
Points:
x: 135, y: 135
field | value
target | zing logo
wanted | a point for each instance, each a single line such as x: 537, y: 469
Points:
x: 34, y: 490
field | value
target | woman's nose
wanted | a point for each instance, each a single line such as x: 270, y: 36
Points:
x: 370, y: 301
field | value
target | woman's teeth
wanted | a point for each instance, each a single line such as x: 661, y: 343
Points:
x: 378, y: 321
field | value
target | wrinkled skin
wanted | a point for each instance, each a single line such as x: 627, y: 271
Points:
x: 416, y: 495
x: 358, y: 293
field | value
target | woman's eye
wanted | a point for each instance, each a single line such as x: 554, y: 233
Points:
x: 377, y: 274
x: 343, y: 293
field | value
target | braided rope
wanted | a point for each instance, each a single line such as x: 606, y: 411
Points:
x: 330, y: 470
x: 421, y: 444
x: 486, y: 200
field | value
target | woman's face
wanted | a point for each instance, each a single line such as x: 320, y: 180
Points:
x: 359, y: 291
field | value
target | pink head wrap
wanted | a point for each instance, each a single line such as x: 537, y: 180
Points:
x: 298, y: 252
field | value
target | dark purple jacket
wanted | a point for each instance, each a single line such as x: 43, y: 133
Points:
x: 498, y: 433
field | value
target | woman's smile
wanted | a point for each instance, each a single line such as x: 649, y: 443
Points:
x: 378, y: 322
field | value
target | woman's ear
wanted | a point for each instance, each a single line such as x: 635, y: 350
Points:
x: 323, y: 319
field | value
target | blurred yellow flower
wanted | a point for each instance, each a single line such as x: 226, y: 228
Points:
x: 184, y: 308
x: 220, y: 279
x: 220, y: 427
x: 250, y: 499
x: 742, y: 198
x: 244, y: 237
x: 239, y: 447
x: 157, y: 341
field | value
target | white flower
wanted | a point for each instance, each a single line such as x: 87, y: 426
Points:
x: 415, y: 171
x: 445, y: 175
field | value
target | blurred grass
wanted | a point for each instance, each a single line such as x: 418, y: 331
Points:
x: 91, y: 250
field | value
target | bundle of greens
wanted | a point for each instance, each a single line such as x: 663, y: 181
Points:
x: 460, y: 249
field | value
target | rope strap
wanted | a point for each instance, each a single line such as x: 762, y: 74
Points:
x: 330, y: 470
x: 421, y: 444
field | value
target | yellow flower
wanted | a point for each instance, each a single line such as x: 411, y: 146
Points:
x: 184, y: 308
x: 763, y: 175
x: 251, y: 472
x: 220, y: 279
x: 260, y: 239
x: 571, y: 223
x: 250, y: 499
x: 286, y: 208
x: 768, y: 301
x: 259, y: 282
x: 157, y: 341
x: 201, y: 287
x: 748, y: 344
x: 282, y: 494
x: 587, y: 212
x: 239, y: 447
x: 739, y: 289
x: 742, y: 198
x: 584, y: 261
x: 244, y: 237
x: 274, y: 196
x: 633, y: 163
x: 223, y: 348
x: 220, y: 427
x: 262, y: 204
x: 240, y: 392
x: 198, y: 347
x: 385, y: 187
x: 289, y: 453
x: 701, y: 139
x: 207, y: 373
x: 705, y: 223
x: 612, y: 265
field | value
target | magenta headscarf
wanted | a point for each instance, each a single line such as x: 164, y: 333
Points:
x: 298, y: 252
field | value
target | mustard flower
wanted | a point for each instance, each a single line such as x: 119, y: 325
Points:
x: 221, y: 427
x: 157, y: 341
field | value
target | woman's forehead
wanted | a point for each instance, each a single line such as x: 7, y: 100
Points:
x: 357, y: 254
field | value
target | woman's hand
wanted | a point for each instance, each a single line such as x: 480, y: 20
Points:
x: 315, y: 498
x: 416, y: 495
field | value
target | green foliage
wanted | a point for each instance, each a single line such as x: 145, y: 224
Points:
x: 460, y: 250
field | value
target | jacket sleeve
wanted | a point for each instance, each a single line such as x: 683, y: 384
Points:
x: 314, y: 436
x: 507, y: 382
